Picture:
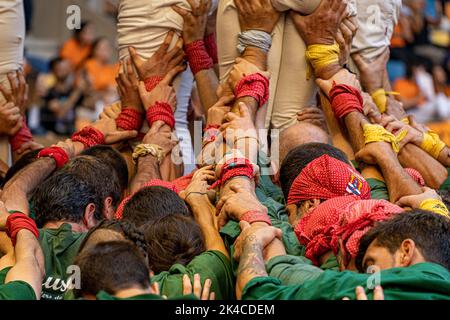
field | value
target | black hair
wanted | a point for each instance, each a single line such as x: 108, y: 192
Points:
x: 113, y: 157
x: 126, y: 229
x: 153, y: 203
x: 77, y: 32
x: 64, y: 197
x: 172, y: 239
x: 98, y: 174
x: 95, y: 44
x: 445, y: 196
x: 111, y: 267
x: 429, y: 231
x: 299, y: 157
x: 24, y: 161
x: 54, y: 62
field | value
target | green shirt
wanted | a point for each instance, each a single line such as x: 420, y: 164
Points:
x: 102, y: 295
x: 423, y: 281
x: 211, y: 265
x: 60, y: 247
x: 15, y: 290
x: 446, y: 184
x: 378, y: 189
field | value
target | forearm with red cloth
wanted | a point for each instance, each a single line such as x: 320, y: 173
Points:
x: 202, y: 56
x: 19, y: 139
x: 347, y: 102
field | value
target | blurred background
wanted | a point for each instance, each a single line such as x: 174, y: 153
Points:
x: 71, y: 74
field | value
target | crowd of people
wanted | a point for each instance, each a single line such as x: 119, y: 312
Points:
x: 310, y: 181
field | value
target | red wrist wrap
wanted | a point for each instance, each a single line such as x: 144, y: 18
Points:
x: 211, y: 47
x: 161, y: 111
x: 345, y: 99
x: 234, y: 167
x: 22, y: 136
x: 198, y: 57
x: 256, y: 86
x: 130, y: 119
x: 256, y: 216
x: 211, y: 133
x: 17, y: 222
x: 89, y: 136
x: 58, y: 154
x: 152, y: 82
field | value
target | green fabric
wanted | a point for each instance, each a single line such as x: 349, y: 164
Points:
x: 423, y: 281
x: 378, y: 189
x: 102, y: 295
x: 211, y: 265
x: 292, y: 269
x: 60, y: 247
x: 15, y: 290
x: 446, y: 184
x: 331, y: 264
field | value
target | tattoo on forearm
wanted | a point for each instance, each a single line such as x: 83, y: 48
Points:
x: 252, y: 261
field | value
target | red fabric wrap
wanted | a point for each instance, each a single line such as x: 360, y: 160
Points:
x: 345, y: 218
x: 234, y: 167
x: 151, y: 183
x: 161, y: 111
x: 89, y: 136
x: 357, y: 219
x: 326, y: 178
x: 22, y: 136
x: 130, y: 119
x: 211, y: 47
x: 183, y: 182
x: 416, y: 176
x: 256, y: 216
x: 211, y: 133
x: 256, y: 86
x: 19, y: 221
x: 152, y: 82
x: 345, y: 99
x: 58, y: 154
x: 198, y: 57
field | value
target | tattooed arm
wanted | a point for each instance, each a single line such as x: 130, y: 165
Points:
x: 250, y: 244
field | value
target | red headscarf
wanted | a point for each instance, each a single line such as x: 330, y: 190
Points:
x: 347, y: 218
x: 326, y: 178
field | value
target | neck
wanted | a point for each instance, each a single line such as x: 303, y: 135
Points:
x: 76, y: 227
x: 132, y: 292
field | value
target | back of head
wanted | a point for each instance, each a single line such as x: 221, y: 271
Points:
x: 98, y: 174
x: 111, y: 267
x: 298, y: 158
x: 172, y: 239
x: 429, y: 231
x: 111, y: 156
x: 24, y: 161
x: 152, y: 203
x: 63, y: 197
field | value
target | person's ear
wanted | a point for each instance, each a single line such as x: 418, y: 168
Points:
x: 309, y: 205
x: 89, y: 216
x: 407, y: 251
x: 108, y: 209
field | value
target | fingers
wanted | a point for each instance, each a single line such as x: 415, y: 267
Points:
x: 182, y: 12
x: 197, y: 286
x: 166, y: 44
x: 142, y: 89
x: 118, y: 136
x: 137, y: 61
x: 378, y: 293
x: 244, y: 225
x: 206, y: 290
x: 360, y: 293
x: 404, y: 201
x: 359, y: 61
x: 243, y: 110
x: 187, y: 285
x: 155, y: 288
x: 176, y: 50
x: 230, y: 116
x: 168, y: 79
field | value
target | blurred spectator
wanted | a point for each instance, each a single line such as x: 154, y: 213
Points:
x: 64, y: 95
x: 78, y: 48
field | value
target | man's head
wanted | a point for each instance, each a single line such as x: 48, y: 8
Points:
x: 101, y: 177
x: 293, y: 164
x: 65, y: 197
x: 113, y: 157
x: 111, y: 267
x: 61, y: 68
x: 406, y: 239
x: 152, y: 203
x: 300, y: 134
x: 172, y: 239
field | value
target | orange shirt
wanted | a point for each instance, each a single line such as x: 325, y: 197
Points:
x: 397, y: 40
x: 102, y: 76
x: 74, y: 52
